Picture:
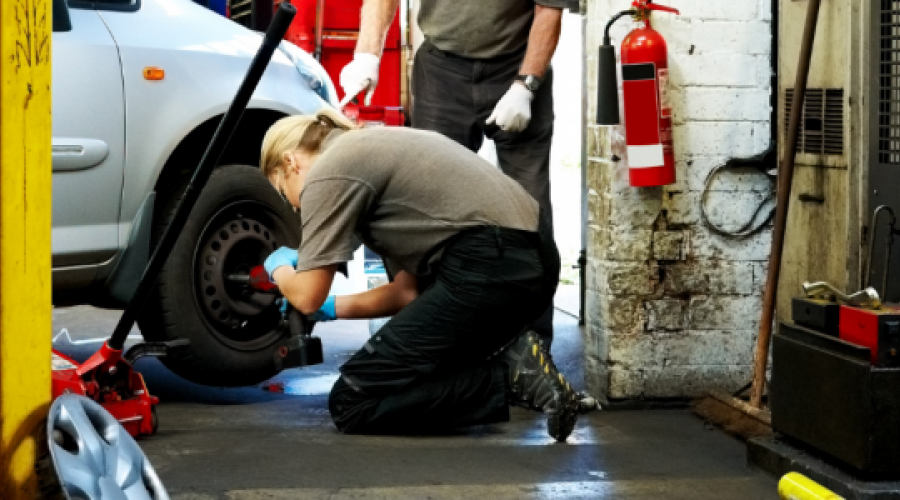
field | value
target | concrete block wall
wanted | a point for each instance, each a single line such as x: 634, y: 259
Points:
x: 673, y: 308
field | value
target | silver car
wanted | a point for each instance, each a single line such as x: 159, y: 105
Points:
x: 138, y: 89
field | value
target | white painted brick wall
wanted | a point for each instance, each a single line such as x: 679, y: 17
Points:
x: 708, y: 37
x: 675, y: 381
x: 725, y: 138
x: 733, y: 10
x: 720, y: 104
x: 709, y: 277
x: 705, y: 244
x: 724, y: 312
x: 691, y: 348
x: 697, y: 168
x: 719, y: 70
x: 672, y: 307
x: 752, y: 38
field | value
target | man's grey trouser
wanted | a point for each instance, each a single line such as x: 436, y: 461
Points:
x: 454, y: 95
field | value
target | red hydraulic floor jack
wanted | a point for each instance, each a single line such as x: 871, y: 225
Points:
x: 108, y: 376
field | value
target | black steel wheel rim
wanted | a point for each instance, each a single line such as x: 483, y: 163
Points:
x: 240, y: 236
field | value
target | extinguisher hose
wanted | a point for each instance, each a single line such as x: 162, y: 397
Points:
x: 606, y: 39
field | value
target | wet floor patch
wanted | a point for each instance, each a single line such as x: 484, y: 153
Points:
x: 315, y: 385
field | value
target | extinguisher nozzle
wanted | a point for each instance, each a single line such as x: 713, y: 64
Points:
x: 607, y: 87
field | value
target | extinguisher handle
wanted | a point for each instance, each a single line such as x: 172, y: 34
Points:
x: 663, y: 8
x: 648, y: 5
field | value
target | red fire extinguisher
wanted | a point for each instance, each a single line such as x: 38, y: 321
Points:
x: 648, y: 109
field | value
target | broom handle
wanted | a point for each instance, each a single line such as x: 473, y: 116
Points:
x: 785, y: 181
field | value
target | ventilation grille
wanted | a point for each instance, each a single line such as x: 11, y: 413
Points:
x: 822, y: 121
x: 889, y: 84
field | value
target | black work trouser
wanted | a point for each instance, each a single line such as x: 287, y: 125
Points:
x: 454, y: 95
x: 427, y: 369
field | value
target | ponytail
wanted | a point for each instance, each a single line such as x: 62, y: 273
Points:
x: 306, y: 132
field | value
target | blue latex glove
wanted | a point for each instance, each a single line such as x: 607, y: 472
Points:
x: 284, y: 256
x: 327, y: 312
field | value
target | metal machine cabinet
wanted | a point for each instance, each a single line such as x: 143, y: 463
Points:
x: 884, y: 131
x: 825, y: 394
x: 819, y: 314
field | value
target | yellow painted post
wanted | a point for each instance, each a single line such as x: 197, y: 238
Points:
x: 796, y: 486
x: 25, y: 198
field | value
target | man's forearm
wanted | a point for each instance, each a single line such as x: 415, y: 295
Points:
x: 376, y: 19
x: 542, y: 40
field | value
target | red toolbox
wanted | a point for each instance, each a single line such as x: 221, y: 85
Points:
x: 340, y: 31
x: 877, y: 329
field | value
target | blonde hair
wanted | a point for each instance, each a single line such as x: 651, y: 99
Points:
x: 306, y: 132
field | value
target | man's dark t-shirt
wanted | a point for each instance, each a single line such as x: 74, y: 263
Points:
x: 479, y: 29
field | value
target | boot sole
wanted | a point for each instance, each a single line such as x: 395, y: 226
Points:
x: 561, y: 425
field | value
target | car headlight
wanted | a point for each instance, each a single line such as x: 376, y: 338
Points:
x: 311, y: 71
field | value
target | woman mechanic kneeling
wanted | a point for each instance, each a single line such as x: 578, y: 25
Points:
x: 472, y: 260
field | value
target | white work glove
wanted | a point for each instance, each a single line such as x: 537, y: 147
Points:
x: 359, y: 74
x: 513, y: 112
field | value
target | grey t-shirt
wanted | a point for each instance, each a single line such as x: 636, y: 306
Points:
x: 403, y: 193
x: 479, y: 29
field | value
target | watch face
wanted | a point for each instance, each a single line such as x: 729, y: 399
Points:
x: 530, y: 82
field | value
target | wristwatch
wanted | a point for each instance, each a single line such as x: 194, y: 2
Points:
x: 531, y: 82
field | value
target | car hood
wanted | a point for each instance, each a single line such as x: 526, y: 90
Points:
x: 182, y: 25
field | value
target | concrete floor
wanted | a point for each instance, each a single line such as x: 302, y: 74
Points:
x: 248, y: 443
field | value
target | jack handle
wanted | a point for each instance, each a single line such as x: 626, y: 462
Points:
x: 867, y: 298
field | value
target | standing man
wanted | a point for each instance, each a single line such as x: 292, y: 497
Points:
x: 483, y: 70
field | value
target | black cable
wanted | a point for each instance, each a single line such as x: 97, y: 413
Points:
x: 749, y: 228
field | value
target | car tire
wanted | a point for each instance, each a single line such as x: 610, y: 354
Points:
x: 237, y: 221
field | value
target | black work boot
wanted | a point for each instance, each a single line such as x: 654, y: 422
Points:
x: 535, y: 383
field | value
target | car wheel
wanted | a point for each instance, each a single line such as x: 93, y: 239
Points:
x: 199, y: 296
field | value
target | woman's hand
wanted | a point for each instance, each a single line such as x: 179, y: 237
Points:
x: 284, y: 256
